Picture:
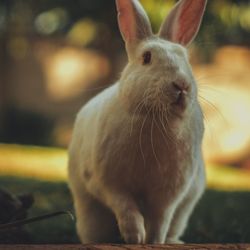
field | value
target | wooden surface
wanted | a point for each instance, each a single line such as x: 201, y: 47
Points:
x: 129, y: 247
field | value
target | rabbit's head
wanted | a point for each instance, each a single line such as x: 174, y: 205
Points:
x: 158, y: 76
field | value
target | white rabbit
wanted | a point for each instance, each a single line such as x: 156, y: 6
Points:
x: 135, y: 164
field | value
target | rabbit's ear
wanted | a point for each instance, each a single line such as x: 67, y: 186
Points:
x: 183, y: 22
x: 133, y: 21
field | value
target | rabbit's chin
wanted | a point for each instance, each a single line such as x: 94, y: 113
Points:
x: 180, y: 106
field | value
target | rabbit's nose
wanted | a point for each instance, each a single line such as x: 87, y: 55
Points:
x: 181, y: 87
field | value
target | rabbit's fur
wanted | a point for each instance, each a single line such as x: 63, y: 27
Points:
x: 135, y: 164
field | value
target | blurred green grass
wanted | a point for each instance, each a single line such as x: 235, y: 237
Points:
x: 220, y: 217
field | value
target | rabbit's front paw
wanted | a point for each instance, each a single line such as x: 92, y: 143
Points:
x: 132, y: 228
x: 174, y: 241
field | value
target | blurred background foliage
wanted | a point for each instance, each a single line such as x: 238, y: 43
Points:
x: 32, y: 32
x: 91, y: 23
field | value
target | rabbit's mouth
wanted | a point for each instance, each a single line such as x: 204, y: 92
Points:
x: 181, y: 91
x: 181, y: 101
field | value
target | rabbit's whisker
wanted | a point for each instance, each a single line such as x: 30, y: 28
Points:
x: 137, y: 109
x: 206, y: 88
x: 208, y: 126
x: 214, y: 76
x: 152, y: 141
x: 140, y: 137
x: 161, y: 129
x: 213, y: 107
x: 208, y: 122
x: 164, y: 126
x: 165, y: 120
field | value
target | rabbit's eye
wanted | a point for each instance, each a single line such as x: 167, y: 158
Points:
x: 147, y: 57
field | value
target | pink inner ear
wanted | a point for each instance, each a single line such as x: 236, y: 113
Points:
x: 189, y: 19
x: 133, y: 21
x: 126, y: 19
